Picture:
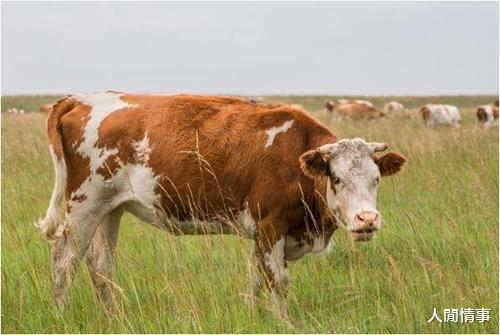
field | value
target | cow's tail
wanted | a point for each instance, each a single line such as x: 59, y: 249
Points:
x: 55, y: 215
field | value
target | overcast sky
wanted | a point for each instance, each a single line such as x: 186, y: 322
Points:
x: 251, y: 48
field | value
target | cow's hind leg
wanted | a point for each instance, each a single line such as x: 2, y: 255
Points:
x: 100, y: 257
x: 67, y: 253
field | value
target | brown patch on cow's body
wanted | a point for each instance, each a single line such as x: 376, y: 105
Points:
x: 72, y: 125
x: 61, y: 107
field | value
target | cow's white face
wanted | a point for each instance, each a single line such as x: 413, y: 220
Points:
x: 353, y: 175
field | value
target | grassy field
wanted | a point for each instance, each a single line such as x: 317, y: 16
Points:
x: 438, y: 248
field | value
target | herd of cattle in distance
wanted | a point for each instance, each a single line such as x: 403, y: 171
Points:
x: 432, y: 114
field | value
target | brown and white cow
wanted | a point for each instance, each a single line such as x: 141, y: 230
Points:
x: 487, y: 115
x: 357, y: 111
x: 440, y: 115
x: 395, y: 108
x: 203, y: 165
x: 332, y: 104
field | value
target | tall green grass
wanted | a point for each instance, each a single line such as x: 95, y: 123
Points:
x: 438, y: 248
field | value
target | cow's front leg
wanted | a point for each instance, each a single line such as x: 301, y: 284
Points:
x: 270, y: 268
x: 255, y: 278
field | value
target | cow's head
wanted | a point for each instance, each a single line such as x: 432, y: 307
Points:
x: 353, y: 174
x: 481, y: 114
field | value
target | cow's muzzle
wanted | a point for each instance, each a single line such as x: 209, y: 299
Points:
x: 366, y: 225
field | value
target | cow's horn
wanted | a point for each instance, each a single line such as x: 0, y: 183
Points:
x: 325, y: 149
x: 377, y: 146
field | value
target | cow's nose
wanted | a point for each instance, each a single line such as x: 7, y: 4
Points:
x: 367, y: 220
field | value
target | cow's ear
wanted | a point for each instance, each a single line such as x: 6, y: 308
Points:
x: 315, y: 163
x: 390, y: 163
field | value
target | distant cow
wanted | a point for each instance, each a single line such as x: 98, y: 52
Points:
x: 46, y: 108
x: 395, y: 108
x: 15, y: 111
x: 487, y: 115
x: 332, y: 104
x: 440, y: 115
x: 329, y: 106
x: 357, y: 111
x: 204, y: 165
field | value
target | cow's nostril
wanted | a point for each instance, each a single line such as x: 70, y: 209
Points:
x: 360, y: 218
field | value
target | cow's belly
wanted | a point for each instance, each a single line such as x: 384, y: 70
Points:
x: 133, y: 188
x: 241, y: 224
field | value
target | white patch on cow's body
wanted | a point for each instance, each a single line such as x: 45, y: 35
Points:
x: 274, y: 131
x: 56, y: 210
x: 142, y: 149
x: 489, y: 113
x: 103, y: 104
x: 296, y: 249
x: 443, y: 115
x: 132, y: 186
x: 247, y: 222
x: 275, y: 261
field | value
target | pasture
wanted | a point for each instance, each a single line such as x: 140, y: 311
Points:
x: 438, y: 247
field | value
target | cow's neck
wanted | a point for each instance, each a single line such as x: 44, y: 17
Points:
x: 318, y: 218
x: 324, y: 221
x: 315, y: 225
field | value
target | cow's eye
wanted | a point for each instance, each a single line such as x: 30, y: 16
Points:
x: 377, y: 180
x: 336, y: 180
